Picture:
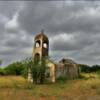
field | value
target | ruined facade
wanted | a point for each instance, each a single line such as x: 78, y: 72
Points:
x: 68, y: 68
x: 54, y: 70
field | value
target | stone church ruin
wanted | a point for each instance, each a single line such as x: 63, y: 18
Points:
x: 64, y: 68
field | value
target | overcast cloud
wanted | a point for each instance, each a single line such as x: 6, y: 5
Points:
x: 73, y: 28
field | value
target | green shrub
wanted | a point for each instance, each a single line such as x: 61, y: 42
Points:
x: 2, y: 71
x: 14, y: 69
x: 89, y: 69
x: 38, y: 71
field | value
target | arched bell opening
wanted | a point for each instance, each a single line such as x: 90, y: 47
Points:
x: 37, y: 43
x: 45, y: 44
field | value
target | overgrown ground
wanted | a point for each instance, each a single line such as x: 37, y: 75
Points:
x: 17, y: 88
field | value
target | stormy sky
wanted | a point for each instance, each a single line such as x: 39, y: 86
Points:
x: 73, y: 28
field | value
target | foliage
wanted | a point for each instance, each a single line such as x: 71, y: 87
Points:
x: 22, y: 68
x: 38, y: 71
x: 89, y: 69
x: 26, y: 64
x: 2, y: 71
x: 84, y: 68
x: 14, y: 69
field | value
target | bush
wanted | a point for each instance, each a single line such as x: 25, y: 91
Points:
x: 14, y: 69
x: 24, y: 72
x: 22, y: 68
x: 38, y: 71
x: 89, y: 69
x: 2, y: 71
x: 84, y: 68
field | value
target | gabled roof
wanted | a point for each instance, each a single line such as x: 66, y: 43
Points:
x: 67, y: 61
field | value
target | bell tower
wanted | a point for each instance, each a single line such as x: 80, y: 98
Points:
x: 41, y: 46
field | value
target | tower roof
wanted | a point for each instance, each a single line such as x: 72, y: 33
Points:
x: 41, y: 35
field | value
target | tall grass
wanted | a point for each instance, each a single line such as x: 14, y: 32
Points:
x: 17, y: 88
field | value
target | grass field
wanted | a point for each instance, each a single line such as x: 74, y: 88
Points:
x: 17, y: 88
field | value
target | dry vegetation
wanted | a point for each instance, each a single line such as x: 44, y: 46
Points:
x: 17, y: 88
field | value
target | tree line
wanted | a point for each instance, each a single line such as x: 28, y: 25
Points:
x: 37, y: 69
x: 89, y: 69
x: 21, y: 67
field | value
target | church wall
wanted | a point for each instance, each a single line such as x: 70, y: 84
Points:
x: 69, y: 71
x: 41, y: 47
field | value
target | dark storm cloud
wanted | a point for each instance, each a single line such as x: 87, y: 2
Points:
x: 38, y: 14
x: 76, y: 17
x: 73, y: 29
x: 19, y: 42
x: 76, y: 43
x: 8, y: 8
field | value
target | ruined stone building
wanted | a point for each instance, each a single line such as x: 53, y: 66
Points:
x: 54, y: 70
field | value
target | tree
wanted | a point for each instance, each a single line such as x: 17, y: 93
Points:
x: 89, y: 69
x: 14, y: 69
x: 2, y: 71
x: 27, y: 63
x: 38, y: 71
x: 85, y: 68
